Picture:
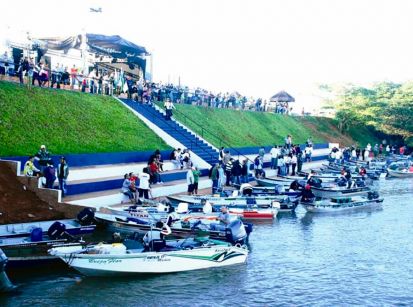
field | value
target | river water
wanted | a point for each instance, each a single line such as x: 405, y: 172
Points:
x: 361, y: 258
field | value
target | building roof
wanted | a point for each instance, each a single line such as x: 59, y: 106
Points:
x: 282, y: 96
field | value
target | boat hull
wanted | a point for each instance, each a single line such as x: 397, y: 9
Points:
x: 327, y: 207
x: 332, y: 193
x: 234, y: 202
x: 399, y: 174
x: 23, y: 229
x: 155, y: 262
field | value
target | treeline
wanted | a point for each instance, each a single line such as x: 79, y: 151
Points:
x: 386, y: 106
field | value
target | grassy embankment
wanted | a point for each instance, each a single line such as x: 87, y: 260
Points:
x: 244, y: 128
x: 68, y: 122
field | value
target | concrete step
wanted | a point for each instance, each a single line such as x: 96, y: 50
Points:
x: 115, y: 197
x: 102, y: 184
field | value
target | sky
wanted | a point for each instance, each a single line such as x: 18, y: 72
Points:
x: 254, y: 47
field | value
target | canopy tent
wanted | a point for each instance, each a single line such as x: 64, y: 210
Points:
x: 282, y: 97
x: 113, y: 46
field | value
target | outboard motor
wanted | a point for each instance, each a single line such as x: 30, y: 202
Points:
x: 372, y: 195
x: 58, y: 231
x: 86, y: 217
x: 5, y: 283
x: 247, y: 191
x: 235, y: 232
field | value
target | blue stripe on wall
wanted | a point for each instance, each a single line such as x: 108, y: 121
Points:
x: 79, y: 160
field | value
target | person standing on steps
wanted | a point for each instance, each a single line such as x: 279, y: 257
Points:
x: 228, y: 168
x: 214, y: 176
x: 62, y: 174
x: 168, y: 105
x: 274, y: 156
x: 44, y: 157
x: 294, y: 161
x: 300, y: 161
x: 50, y: 174
x: 196, y: 173
x: 190, y: 181
x: 221, y: 154
x: 144, y: 186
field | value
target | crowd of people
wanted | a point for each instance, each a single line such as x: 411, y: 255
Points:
x: 365, y: 154
x: 116, y: 82
x: 138, y: 186
x: 46, y: 170
x: 286, y: 160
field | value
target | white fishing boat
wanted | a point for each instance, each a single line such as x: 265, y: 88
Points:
x: 400, y: 173
x: 256, y: 201
x: 336, y: 205
x: 169, y: 257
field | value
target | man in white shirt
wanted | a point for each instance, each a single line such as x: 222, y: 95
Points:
x: 308, y: 153
x: 274, y: 152
x: 190, y: 181
x: 144, y: 187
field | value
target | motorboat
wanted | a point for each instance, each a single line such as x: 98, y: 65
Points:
x: 401, y: 169
x: 160, y: 256
x: 259, y: 203
x: 74, y: 227
x: 278, y: 189
x: 400, y: 173
x: 339, y: 191
x: 343, y: 204
x: 26, y: 244
x: 197, y: 225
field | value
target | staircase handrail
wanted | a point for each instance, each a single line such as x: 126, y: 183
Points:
x: 221, y: 142
x: 153, y: 112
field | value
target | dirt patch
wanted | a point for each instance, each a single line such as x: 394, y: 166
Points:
x: 342, y: 139
x: 19, y: 205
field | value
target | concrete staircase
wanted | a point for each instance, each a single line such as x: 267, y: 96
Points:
x: 191, y: 141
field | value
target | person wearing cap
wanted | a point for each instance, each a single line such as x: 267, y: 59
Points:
x: 62, y: 174
x: 44, y: 157
x: 30, y: 169
x: 307, y: 195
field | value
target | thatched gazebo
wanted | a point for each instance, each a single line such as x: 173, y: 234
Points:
x: 282, y: 102
x: 282, y: 96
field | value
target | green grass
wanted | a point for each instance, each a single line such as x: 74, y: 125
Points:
x: 244, y: 128
x: 68, y: 122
